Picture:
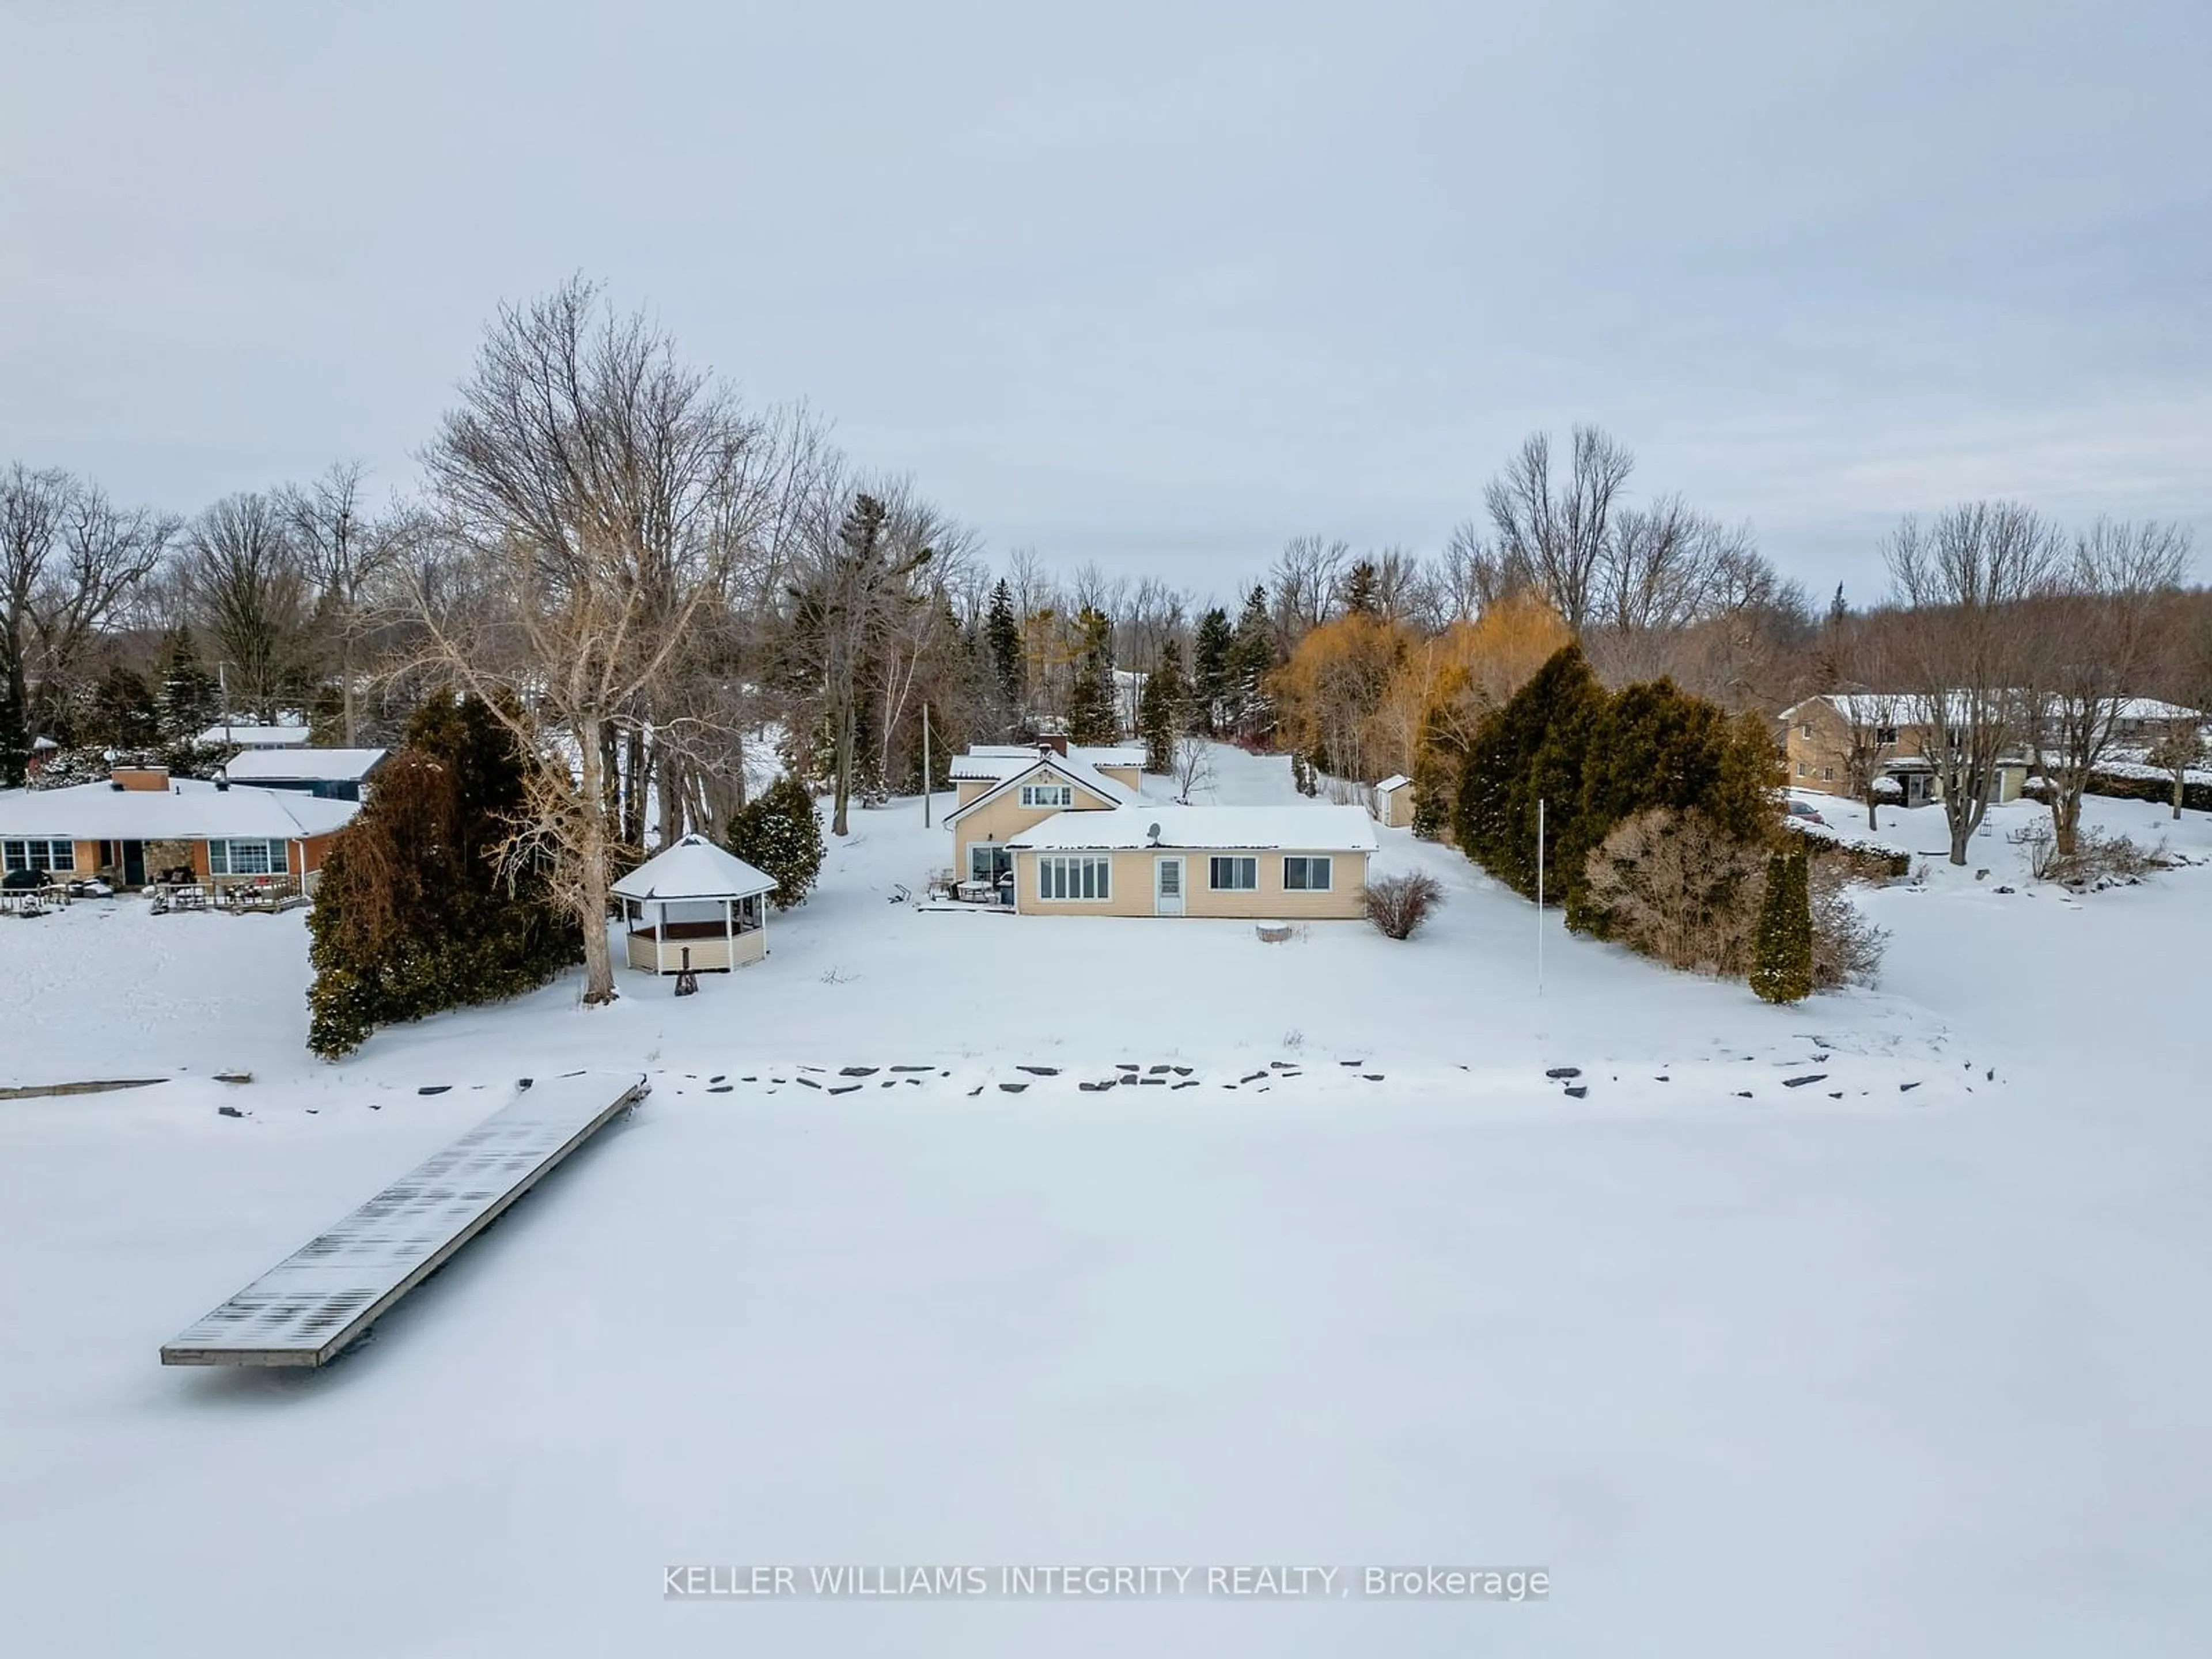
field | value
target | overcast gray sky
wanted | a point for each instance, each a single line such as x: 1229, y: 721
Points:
x: 1153, y: 285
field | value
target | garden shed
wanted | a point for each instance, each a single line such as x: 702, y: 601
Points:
x: 695, y: 906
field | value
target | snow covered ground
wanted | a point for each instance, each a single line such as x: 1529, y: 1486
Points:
x: 1841, y: 1368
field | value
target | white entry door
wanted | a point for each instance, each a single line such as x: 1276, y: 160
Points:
x: 1167, y: 887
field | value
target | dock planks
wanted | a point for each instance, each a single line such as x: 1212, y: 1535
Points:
x: 305, y: 1310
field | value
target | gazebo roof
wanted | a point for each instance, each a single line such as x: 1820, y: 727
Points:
x: 694, y: 868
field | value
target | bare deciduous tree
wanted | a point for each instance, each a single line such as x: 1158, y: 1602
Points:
x: 600, y: 497
x: 1553, y: 534
x: 249, y: 589
x: 2095, y: 636
x: 1961, y: 581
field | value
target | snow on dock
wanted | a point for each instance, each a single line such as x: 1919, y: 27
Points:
x: 310, y: 1306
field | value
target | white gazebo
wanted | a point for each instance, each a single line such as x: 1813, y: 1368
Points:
x: 693, y: 905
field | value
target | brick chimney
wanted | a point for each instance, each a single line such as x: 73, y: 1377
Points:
x: 1055, y: 741
x: 151, y: 778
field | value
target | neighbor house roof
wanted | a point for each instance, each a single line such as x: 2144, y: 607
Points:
x: 188, y: 810
x: 304, y: 765
x: 1313, y: 827
x: 1082, y: 776
x: 1905, y: 708
x: 694, y: 868
x: 254, y: 737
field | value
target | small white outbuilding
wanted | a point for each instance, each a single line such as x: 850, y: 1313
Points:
x: 695, y: 906
x: 1393, y: 801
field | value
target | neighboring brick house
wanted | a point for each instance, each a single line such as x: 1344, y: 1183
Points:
x: 1837, y: 742
x: 142, y: 821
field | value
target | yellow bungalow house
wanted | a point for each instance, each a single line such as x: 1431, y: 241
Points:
x: 1004, y: 791
x: 1306, y: 862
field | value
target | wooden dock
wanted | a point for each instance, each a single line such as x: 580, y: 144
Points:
x: 306, y: 1309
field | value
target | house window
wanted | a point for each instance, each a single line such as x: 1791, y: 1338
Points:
x: 1075, y: 876
x: 1827, y: 774
x: 1803, y: 770
x: 247, y: 858
x: 1305, y: 875
x: 1885, y: 734
x: 37, y: 854
x: 1048, y: 794
x: 1233, y: 875
x: 1805, y: 729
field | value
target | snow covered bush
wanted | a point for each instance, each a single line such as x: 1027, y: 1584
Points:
x: 1846, y: 947
x: 1398, y: 905
x: 779, y: 833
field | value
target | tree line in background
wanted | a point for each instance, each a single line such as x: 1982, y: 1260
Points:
x: 659, y: 593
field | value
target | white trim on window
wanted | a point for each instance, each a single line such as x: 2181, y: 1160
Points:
x: 249, y: 858
x: 1305, y: 873
x: 39, y: 853
x: 1242, y: 873
x: 1048, y: 794
x: 1075, y: 878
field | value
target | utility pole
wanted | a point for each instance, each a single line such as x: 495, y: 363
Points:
x: 222, y: 690
x: 925, y: 763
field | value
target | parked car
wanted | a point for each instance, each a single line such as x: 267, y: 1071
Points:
x: 23, y: 881
x: 1804, y: 813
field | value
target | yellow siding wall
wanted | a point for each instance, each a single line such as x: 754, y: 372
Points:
x: 1005, y: 817
x: 1133, y: 889
x: 1128, y: 776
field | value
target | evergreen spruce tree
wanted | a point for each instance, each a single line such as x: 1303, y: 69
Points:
x: 412, y: 913
x: 1254, y: 660
x: 189, y: 700
x: 1213, y: 653
x: 124, y: 715
x: 1091, y: 716
x: 1002, y: 635
x: 1363, y: 591
x: 1532, y: 748
x: 779, y: 833
x: 15, y: 738
x: 1782, y: 959
x: 1163, y: 710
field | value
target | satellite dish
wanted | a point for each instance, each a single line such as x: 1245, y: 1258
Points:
x: 1154, y: 832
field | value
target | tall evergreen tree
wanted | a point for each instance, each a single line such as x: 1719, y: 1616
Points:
x: 1213, y: 669
x: 1363, y: 595
x: 1531, y: 749
x: 1091, y: 716
x: 413, y: 914
x: 15, y: 738
x: 1254, y: 659
x: 1163, y: 710
x: 189, y: 700
x: 1781, y: 953
x: 123, y: 714
x: 1002, y: 634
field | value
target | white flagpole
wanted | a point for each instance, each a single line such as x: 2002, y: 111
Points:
x: 1540, y: 895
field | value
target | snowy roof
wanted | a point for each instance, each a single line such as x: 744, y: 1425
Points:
x: 304, y: 765
x: 973, y: 767
x: 1396, y: 780
x: 1312, y: 827
x: 1083, y: 776
x: 252, y: 737
x: 188, y: 810
x: 985, y: 755
x: 1905, y: 708
x: 695, y: 868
